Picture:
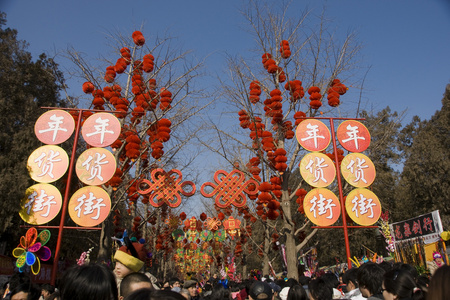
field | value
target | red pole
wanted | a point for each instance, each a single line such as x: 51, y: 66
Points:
x: 66, y: 199
x: 341, y: 194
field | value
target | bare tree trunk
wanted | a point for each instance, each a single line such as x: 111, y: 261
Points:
x: 266, y: 261
x: 104, y: 252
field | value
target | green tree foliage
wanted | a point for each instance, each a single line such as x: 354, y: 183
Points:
x: 25, y: 86
x: 425, y: 182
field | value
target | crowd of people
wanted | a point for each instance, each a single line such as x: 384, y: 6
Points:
x: 370, y: 281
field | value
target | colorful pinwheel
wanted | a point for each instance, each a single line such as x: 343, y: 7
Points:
x: 31, y: 250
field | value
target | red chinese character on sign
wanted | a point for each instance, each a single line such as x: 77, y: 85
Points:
x: 428, y: 224
x: 407, y: 230
x: 416, y: 227
x: 398, y: 233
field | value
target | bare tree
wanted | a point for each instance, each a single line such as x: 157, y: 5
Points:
x: 270, y: 100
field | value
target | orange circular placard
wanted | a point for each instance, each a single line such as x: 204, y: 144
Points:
x: 48, y: 163
x: 41, y: 204
x: 353, y: 136
x: 95, y: 166
x: 363, y: 207
x: 358, y: 170
x: 317, y: 169
x: 101, y: 129
x: 54, y: 127
x: 322, y: 207
x: 313, y: 135
x: 89, y: 206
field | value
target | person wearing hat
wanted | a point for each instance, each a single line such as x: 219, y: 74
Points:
x: 129, y: 258
x: 260, y: 290
x: 436, y: 263
x: 191, y: 287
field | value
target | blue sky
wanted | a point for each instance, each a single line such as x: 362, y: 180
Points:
x: 406, y: 42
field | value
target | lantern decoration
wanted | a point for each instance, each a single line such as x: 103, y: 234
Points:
x: 255, y: 91
x: 138, y: 38
x: 212, y: 223
x: 232, y: 225
x: 335, y: 91
x: 121, y: 65
x: 315, y: 97
x: 281, y: 75
x: 206, y: 235
x: 295, y: 89
x: 178, y: 235
x: 166, y: 187
x: 166, y: 99
x: 88, y: 87
x: 252, y: 167
x: 275, y: 107
x: 244, y: 118
x: 220, y: 235
x: 32, y: 250
x: 299, y: 117
x: 98, y: 100
x: 229, y: 188
x: 269, y: 63
x: 285, y: 49
x: 148, y: 63
x: 173, y: 221
x: 280, y: 159
x: 110, y: 74
x: 192, y: 235
x: 126, y: 55
x: 287, y: 129
x: 300, y: 193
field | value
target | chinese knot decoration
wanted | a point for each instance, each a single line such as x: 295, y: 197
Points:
x: 32, y: 249
x: 166, y: 187
x: 229, y: 188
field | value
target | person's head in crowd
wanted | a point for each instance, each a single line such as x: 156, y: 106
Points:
x: 350, y: 279
x: 297, y: 292
x: 18, y: 279
x: 25, y: 291
x: 370, y: 278
x: 260, y: 290
x: 206, y: 290
x: 437, y: 257
x: 439, y: 287
x: 175, y: 283
x: 423, y: 283
x: 185, y: 293
x: 132, y: 282
x: 47, y: 290
x: 166, y: 285
x: 406, y: 267
x: 291, y: 282
x: 398, y: 284
x: 88, y: 282
x: 304, y: 280
x: 54, y: 296
x: 319, y: 290
x: 191, y: 286
x: 148, y: 294
x: 129, y: 258
x: 219, y: 292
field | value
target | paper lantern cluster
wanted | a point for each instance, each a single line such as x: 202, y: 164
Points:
x: 148, y: 63
x: 315, y: 96
x: 273, y: 106
x: 340, y: 153
x: 280, y: 160
x: 253, y: 167
x: 267, y: 141
x: 286, y: 129
x: 138, y: 38
x: 133, y: 146
x: 98, y: 100
x: 244, y: 119
x: 269, y: 63
x: 110, y: 74
x: 285, y: 49
x: 336, y: 90
x: 255, y: 91
x: 166, y: 99
x: 159, y: 133
x: 299, y: 117
x: 296, y: 90
x: 300, y: 193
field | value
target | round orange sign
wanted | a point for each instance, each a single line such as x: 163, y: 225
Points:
x: 48, y: 163
x: 313, y: 135
x: 317, y: 169
x: 353, y: 136
x: 89, y: 206
x: 358, y: 170
x: 41, y: 204
x: 322, y: 207
x: 95, y: 166
x: 101, y: 129
x: 363, y: 207
x: 54, y: 127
